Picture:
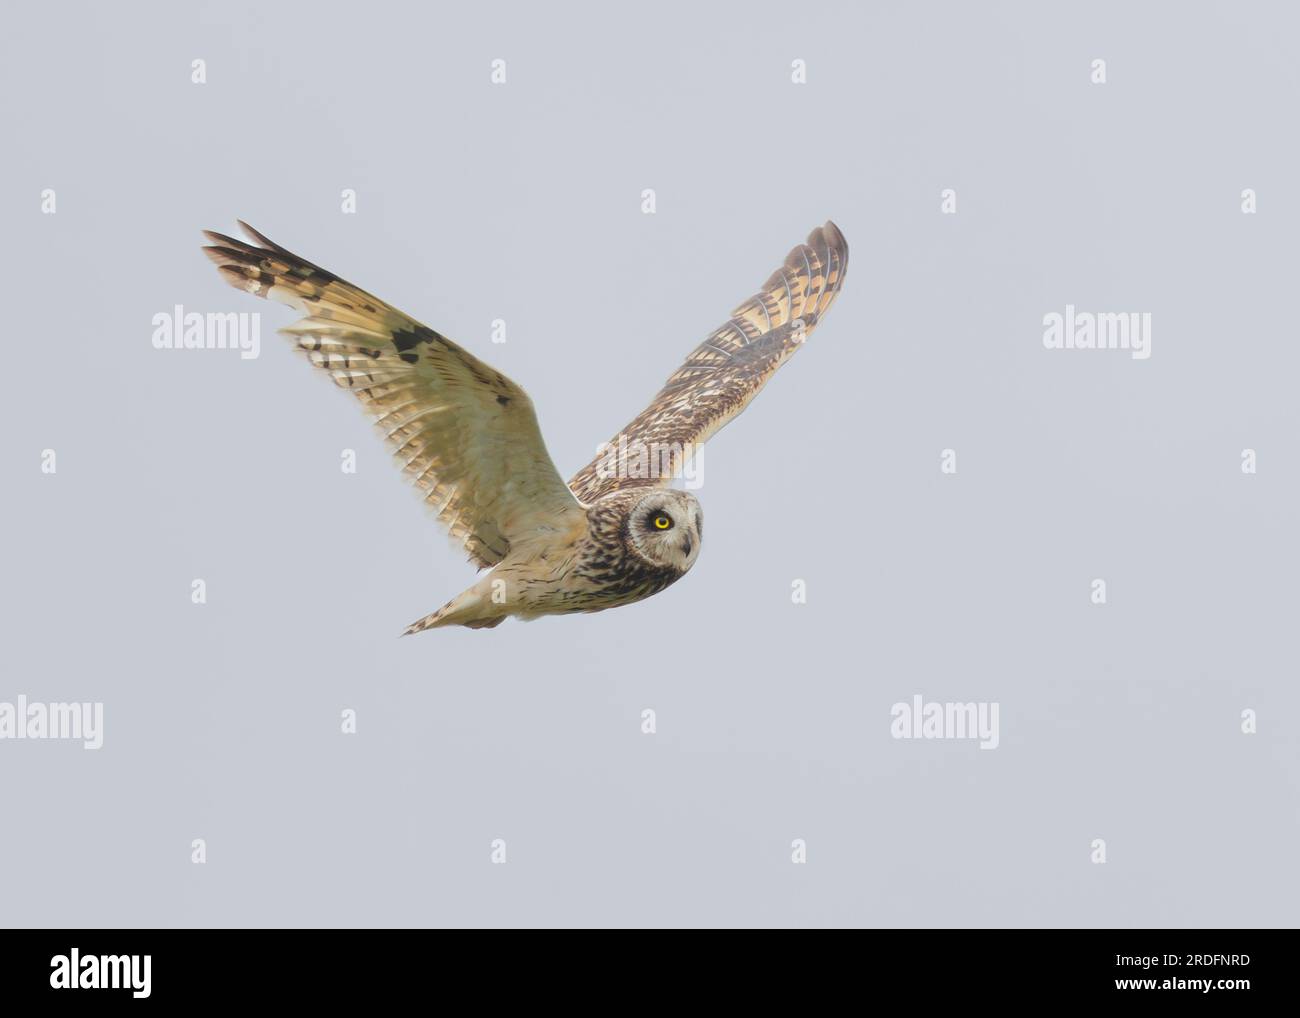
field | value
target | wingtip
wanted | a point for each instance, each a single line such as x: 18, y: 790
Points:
x: 232, y: 248
x: 219, y: 255
x: 834, y: 234
x: 258, y: 237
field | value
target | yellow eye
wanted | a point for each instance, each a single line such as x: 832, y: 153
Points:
x: 662, y: 522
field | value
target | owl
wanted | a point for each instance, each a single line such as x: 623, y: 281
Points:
x: 468, y: 438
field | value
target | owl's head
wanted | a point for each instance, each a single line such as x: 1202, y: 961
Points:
x: 664, y: 527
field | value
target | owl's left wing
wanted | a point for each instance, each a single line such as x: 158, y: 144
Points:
x: 724, y: 373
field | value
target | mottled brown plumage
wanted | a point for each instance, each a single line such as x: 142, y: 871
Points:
x: 468, y: 437
x: 723, y: 374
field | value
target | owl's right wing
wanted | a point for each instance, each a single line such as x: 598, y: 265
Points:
x: 724, y: 373
x: 465, y: 434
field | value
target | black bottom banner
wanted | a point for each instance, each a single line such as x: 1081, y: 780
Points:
x: 161, y: 968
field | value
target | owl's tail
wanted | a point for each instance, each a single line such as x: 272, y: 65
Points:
x: 473, y: 609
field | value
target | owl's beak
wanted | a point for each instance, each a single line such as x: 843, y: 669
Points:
x: 687, y: 546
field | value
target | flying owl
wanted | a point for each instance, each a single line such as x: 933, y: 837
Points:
x: 468, y: 438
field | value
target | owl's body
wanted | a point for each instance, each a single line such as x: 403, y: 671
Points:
x: 467, y: 436
x: 592, y: 567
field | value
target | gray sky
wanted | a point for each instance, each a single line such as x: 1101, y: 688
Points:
x: 523, y: 202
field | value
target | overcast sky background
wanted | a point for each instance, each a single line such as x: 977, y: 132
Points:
x: 523, y: 202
